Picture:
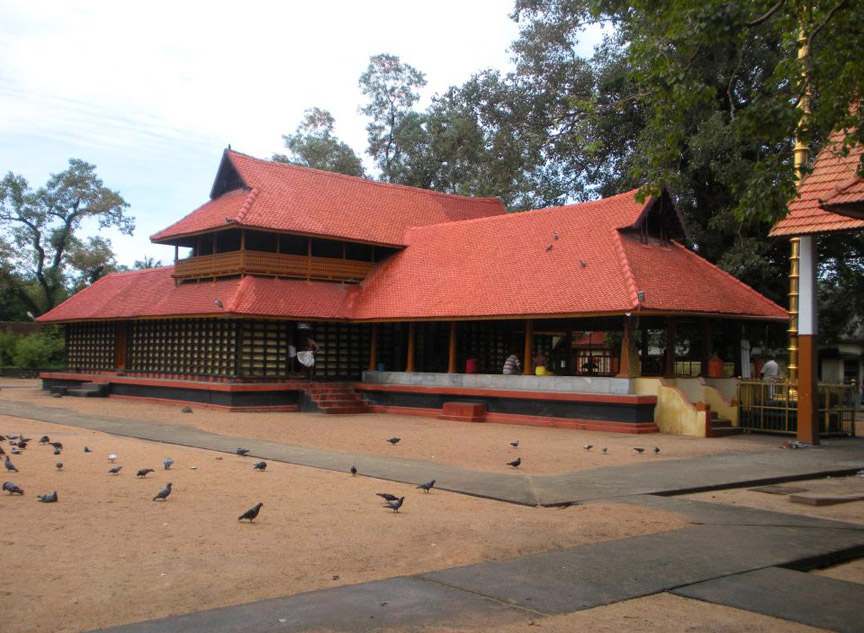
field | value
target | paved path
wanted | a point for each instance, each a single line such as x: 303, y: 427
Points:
x: 648, y: 477
x: 726, y: 552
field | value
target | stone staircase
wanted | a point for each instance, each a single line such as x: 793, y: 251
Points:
x: 85, y: 390
x: 720, y: 427
x: 336, y: 398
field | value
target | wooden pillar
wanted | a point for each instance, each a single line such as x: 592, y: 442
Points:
x: 705, y: 352
x: 176, y: 252
x: 528, y: 365
x: 628, y: 363
x: 308, y: 258
x: 808, y: 395
x: 451, y: 359
x: 669, y: 364
x: 409, y: 364
x: 373, y: 348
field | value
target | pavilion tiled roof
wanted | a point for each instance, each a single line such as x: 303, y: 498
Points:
x: 291, y: 199
x: 573, y: 260
x: 832, y: 181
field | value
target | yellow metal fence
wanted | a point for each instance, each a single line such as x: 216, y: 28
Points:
x: 772, y: 407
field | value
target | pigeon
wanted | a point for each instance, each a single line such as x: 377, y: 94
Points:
x: 262, y: 466
x: 167, y: 463
x: 251, y: 513
x: 515, y: 463
x: 387, y: 496
x: 427, y: 486
x: 353, y: 470
x: 395, y: 505
x: 58, y: 465
x: 515, y: 444
x: 163, y: 494
x: 12, y: 489
x: 87, y: 449
x: 20, y: 444
x: 114, y: 470
x: 656, y: 450
x: 143, y: 472
x: 15, y: 451
x: 394, y: 440
x: 242, y: 451
x: 52, y: 498
x: 57, y: 451
x: 587, y: 447
x: 187, y: 409
x: 112, y: 457
x: 604, y: 450
x: 44, y: 439
x: 10, y: 466
x: 57, y: 445
x: 639, y: 449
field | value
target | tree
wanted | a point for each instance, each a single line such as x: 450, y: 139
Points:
x: 391, y: 87
x: 42, y: 226
x: 313, y: 145
x: 146, y: 263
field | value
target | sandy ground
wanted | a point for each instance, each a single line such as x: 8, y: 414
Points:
x: 107, y: 554
x: 475, y: 446
x: 661, y: 613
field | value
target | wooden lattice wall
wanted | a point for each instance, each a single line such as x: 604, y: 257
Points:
x: 264, y: 348
x: 344, y: 350
x: 490, y: 343
x: 183, y: 346
x: 90, y: 346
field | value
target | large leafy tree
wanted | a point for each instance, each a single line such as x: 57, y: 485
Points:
x: 43, y: 228
x: 314, y: 145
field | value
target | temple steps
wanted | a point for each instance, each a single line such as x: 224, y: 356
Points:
x: 336, y: 399
x: 721, y: 427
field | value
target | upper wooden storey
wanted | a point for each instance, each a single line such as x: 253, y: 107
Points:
x: 276, y: 219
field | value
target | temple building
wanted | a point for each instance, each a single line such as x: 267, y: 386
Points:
x: 414, y: 300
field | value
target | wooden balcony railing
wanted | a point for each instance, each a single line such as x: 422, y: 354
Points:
x: 270, y: 264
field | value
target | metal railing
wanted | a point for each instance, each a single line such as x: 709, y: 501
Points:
x: 772, y: 407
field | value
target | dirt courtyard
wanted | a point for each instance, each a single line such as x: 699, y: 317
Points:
x: 474, y: 446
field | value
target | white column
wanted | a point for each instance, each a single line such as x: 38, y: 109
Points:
x: 807, y: 315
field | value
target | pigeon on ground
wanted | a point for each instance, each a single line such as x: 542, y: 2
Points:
x: 387, y: 496
x: 262, y: 466
x: 604, y: 450
x: 112, y: 457
x: 394, y: 440
x: 44, y: 439
x: 143, y: 472
x: 52, y: 498
x: 353, y: 470
x: 163, y: 494
x: 12, y: 489
x: 515, y: 444
x: 57, y: 451
x: 656, y: 450
x: 242, y: 451
x: 251, y: 513
x: 515, y: 463
x: 187, y: 409
x: 10, y: 466
x: 167, y: 463
x: 57, y: 445
x: 395, y: 505
x: 427, y: 486
x: 20, y: 444
x: 87, y: 449
x: 639, y: 449
x: 587, y: 447
x: 114, y: 470
x: 58, y: 465
x: 15, y: 451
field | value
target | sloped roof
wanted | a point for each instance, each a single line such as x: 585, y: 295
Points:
x: 281, y: 197
x: 571, y: 260
x: 833, y: 181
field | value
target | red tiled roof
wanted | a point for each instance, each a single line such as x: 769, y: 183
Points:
x: 152, y: 292
x: 830, y: 170
x: 295, y: 199
x: 511, y: 265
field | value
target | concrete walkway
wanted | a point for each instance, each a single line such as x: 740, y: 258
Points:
x: 726, y: 552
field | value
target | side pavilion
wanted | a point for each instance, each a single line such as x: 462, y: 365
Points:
x: 415, y: 299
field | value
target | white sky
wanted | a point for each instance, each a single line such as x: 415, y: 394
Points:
x: 151, y: 93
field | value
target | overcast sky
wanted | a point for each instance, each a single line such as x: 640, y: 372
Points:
x: 151, y: 93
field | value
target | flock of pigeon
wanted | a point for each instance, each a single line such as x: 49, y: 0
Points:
x: 586, y: 447
x: 19, y: 443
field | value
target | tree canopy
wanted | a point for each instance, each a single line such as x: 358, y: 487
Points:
x: 314, y: 145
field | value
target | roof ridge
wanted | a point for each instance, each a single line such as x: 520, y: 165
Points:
x: 358, y: 179
x: 626, y: 270
x: 195, y: 210
x: 730, y: 275
x: 247, y: 204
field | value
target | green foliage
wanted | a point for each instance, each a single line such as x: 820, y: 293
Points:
x: 42, y: 228
x: 313, y: 145
x: 33, y: 351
